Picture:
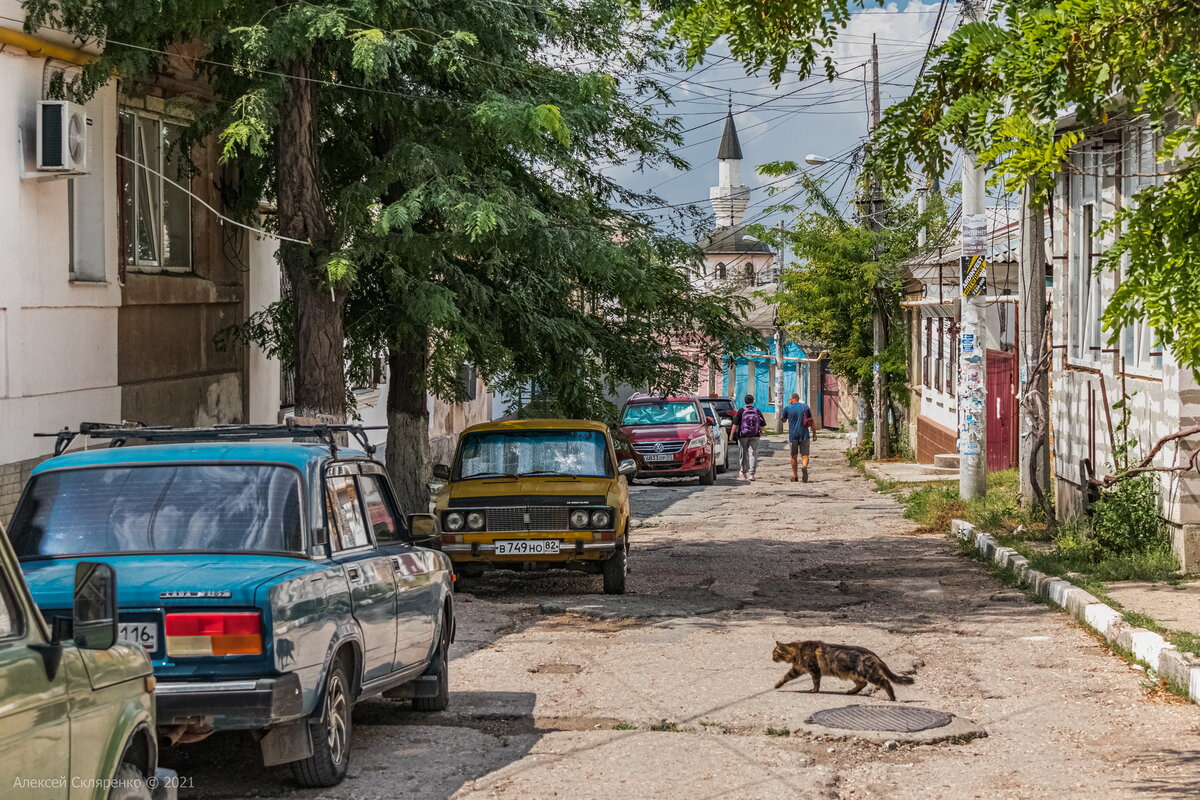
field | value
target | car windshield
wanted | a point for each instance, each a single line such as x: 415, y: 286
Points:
x: 546, y: 452
x: 208, y: 507
x: 681, y: 413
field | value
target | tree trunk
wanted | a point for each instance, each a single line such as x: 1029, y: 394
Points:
x: 1034, y: 384
x: 408, y: 424
x: 320, y: 338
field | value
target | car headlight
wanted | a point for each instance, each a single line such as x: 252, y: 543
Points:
x: 454, y: 521
x: 601, y: 519
x: 699, y: 441
x: 476, y: 520
x: 580, y: 518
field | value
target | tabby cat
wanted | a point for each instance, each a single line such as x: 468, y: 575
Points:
x: 843, y: 661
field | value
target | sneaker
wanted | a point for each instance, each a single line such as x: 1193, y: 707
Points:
x: 794, y: 479
x: 804, y: 473
x: 751, y: 476
x: 741, y: 476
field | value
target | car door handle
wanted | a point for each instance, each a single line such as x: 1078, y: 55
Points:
x: 353, y: 573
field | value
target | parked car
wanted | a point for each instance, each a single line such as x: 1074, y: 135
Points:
x: 719, y: 430
x: 273, y: 584
x: 668, y: 437
x: 537, y: 494
x: 76, y: 705
x: 725, y: 406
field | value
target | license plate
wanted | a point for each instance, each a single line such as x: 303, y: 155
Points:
x: 659, y: 457
x: 143, y: 633
x: 528, y: 547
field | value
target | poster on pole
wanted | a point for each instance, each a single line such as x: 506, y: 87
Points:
x: 974, y: 234
x: 974, y: 276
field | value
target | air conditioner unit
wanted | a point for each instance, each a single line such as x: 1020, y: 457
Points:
x: 62, y: 137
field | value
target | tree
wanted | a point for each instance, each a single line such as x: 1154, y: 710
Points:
x: 448, y: 176
x: 840, y: 272
x: 1000, y: 86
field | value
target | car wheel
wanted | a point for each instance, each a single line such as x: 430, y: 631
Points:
x: 440, y: 667
x: 614, y: 570
x: 709, y: 477
x: 331, y: 729
x: 129, y: 784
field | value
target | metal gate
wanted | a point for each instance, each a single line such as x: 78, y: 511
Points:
x: 1001, y: 410
x: 830, y: 401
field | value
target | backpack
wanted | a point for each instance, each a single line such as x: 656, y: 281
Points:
x: 750, y: 423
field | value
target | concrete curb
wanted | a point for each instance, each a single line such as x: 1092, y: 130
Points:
x: 1162, y: 657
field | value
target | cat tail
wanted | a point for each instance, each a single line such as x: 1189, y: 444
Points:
x: 893, y: 677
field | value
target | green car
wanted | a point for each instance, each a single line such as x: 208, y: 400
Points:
x: 76, y: 706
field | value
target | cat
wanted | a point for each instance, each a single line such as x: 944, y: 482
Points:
x: 843, y: 661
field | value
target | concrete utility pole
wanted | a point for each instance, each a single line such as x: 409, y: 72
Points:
x: 780, y: 341
x: 1034, y: 459
x: 972, y: 368
x: 883, y: 443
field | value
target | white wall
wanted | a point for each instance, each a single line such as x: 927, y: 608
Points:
x: 262, y: 373
x: 58, y: 337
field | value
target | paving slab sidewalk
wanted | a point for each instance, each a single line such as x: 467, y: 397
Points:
x: 1148, y: 647
x: 1173, y: 606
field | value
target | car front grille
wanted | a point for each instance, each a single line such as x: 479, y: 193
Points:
x: 527, y: 518
x: 649, y: 448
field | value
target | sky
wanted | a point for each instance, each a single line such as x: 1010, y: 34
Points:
x: 791, y: 120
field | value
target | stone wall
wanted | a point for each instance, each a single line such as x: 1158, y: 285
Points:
x: 13, y: 478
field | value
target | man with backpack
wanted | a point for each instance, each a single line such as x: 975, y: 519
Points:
x: 748, y: 423
x: 800, y: 419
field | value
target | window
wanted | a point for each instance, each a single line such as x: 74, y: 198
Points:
x: 380, y: 514
x: 156, y: 216
x: 939, y: 366
x: 570, y: 452
x: 469, y: 379
x: 1139, y: 342
x: 661, y: 414
x: 194, y: 507
x: 350, y: 530
x: 722, y: 273
x: 1085, y: 292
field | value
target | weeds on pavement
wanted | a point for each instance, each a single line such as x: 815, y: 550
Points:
x: 778, y: 732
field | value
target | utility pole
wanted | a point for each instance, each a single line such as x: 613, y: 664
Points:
x: 880, y: 410
x: 972, y: 367
x: 1034, y: 459
x: 780, y: 341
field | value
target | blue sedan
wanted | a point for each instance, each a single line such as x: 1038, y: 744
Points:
x: 272, y: 584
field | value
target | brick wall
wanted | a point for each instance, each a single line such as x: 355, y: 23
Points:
x: 12, y: 480
x: 933, y: 439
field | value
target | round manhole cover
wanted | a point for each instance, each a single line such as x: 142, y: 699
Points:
x: 880, y: 718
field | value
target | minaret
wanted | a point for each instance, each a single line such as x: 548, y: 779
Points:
x: 731, y: 197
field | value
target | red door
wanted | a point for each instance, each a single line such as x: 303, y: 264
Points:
x: 830, y: 401
x: 1001, y: 410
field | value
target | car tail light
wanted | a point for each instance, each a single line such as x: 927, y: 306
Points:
x: 215, y: 634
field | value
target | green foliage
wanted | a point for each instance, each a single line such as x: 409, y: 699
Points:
x: 840, y: 275
x: 935, y: 505
x: 462, y: 175
x: 999, y: 87
x: 1127, y: 518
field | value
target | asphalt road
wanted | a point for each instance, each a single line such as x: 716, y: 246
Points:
x: 559, y: 691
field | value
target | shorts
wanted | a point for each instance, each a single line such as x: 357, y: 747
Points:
x: 801, y: 448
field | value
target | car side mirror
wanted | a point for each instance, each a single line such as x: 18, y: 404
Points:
x: 441, y: 472
x: 95, y: 614
x: 423, y: 530
x: 627, y: 467
x: 726, y: 423
x: 709, y: 421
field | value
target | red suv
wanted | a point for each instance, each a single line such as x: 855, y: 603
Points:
x: 669, y: 437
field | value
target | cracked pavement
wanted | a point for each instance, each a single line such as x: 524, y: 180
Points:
x: 559, y: 691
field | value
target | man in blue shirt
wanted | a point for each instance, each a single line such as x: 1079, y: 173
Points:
x: 800, y: 420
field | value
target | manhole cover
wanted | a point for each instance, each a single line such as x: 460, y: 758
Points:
x: 880, y: 718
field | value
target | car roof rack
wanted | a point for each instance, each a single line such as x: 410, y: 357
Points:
x: 118, y: 434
